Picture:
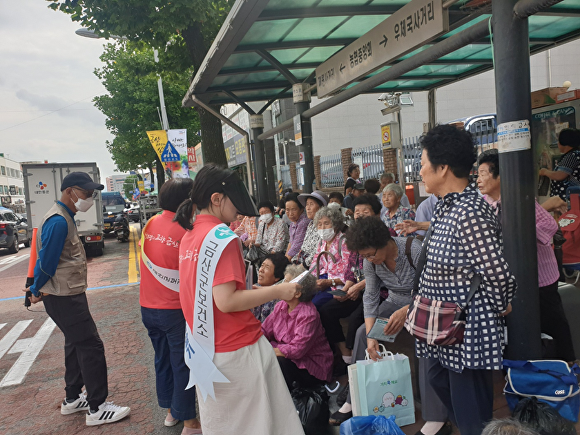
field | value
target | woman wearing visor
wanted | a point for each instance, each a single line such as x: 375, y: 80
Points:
x: 228, y: 356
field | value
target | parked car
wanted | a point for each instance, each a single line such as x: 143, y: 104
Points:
x: 133, y: 213
x: 13, y: 231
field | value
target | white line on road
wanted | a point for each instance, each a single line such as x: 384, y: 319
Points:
x: 18, y: 260
x: 12, y: 335
x: 30, y: 350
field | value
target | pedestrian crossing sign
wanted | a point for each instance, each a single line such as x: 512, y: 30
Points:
x: 170, y: 154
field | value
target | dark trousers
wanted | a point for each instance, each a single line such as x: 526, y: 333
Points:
x: 84, y: 353
x: 468, y: 396
x: 331, y: 313
x: 166, y: 330
x: 293, y: 374
x: 554, y: 323
x: 355, y: 320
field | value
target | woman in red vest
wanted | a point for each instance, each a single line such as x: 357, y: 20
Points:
x: 229, y: 358
x: 161, y: 308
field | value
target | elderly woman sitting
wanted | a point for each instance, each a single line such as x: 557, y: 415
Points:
x: 271, y: 272
x: 295, y: 332
x: 312, y: 202
x: 394, y: 213
x: 332, y: 261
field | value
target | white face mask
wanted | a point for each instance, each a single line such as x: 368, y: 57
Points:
x: 334, y: 205
x: 326, y: 234
x: 266, y: 218
x: 83, y: 204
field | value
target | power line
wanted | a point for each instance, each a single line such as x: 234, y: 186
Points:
x: 46, y: 114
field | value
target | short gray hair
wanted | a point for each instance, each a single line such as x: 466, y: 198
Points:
x: 308, y: 283
x: 507, y: 426
x: 398, y: 190
x: 388, y: 175
x: 335, y: 216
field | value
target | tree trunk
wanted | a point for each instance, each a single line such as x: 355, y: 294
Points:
x: 160, y: 174
x: 212, y: 144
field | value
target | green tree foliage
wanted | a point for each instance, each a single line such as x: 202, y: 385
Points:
x: 157, y: 22
x: 129, y: 74
x: 129, y: 185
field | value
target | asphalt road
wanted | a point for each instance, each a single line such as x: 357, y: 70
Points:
x: 31, y: 350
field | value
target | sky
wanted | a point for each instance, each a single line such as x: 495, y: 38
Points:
x: 46, y: 88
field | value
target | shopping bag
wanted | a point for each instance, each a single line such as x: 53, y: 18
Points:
x: 385, y: 388
x: 370, y: 425
x: 353, y: 386
x: 551, y: 382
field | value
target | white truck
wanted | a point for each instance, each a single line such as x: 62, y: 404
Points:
x: 42, y: 189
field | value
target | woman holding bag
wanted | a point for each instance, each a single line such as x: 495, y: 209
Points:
x: 462, y: 244
x: 390, y: 262
x: 229, y: 358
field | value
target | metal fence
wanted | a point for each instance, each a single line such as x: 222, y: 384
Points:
x: 331, y: 171
x: 370, y: 160
x: 412, y: 158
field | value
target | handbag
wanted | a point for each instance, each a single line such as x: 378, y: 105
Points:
x: 255, y: 253
x: 550, y: 381
x: 436, y: 322
x: 384, y: 387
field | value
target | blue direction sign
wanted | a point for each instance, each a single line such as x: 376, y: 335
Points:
x: 170, y: 154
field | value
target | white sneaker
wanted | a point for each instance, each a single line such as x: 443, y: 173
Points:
x: 107, y: 413
x: 80, y: 404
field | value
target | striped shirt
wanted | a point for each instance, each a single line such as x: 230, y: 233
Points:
x: 399, y: 283
x: 546, y: 227
x: 299, y: 335
x: 465, y: 241
x: 297, y: 233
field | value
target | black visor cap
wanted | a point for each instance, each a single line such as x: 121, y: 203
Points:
x: 236, y: 191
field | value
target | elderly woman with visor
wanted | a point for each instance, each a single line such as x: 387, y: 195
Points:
x: 394, y: 213
x: 332, y: 261
x: 312, y: 202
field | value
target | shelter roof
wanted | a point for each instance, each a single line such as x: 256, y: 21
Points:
x: 265, y: 45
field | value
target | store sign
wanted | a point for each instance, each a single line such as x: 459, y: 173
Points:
x: 413, y: 25
x: 297, y: 130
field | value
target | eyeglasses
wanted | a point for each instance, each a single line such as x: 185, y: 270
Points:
x: 368, y: 257
x: 88, y: 193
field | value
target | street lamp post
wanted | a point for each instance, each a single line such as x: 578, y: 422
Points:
x: 87, y: 33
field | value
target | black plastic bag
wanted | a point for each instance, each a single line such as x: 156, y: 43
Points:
x: 312, y: 407
x: 542, y: 417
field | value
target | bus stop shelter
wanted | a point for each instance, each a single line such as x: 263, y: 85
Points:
x: 272, y: 49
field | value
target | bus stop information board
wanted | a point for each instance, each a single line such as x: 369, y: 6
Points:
x: 413, y: 25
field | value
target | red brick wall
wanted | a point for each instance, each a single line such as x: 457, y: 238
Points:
x: 293, y: 176
x: 346, y: 159
x: 317, y: 172
x: 390, y: 161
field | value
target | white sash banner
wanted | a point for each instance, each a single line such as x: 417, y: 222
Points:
x: 200, y: 341
x: 168, y: 278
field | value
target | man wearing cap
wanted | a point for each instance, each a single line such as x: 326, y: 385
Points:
x: 60, y: 281
x: 357, y: 190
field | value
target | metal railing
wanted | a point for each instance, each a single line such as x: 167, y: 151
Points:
x: 371, y: 161
x: 412, y: 157
x: 331, y: 171
x: 286, y: 180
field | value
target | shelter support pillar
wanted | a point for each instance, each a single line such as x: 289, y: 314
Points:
x: 518, y: 183
x: 301, y: 98
x: 432, y: 107
x: 257, y: 126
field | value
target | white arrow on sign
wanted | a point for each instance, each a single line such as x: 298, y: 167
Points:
x: 415, y: 24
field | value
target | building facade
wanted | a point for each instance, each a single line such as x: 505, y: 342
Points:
x: 11, y: 184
